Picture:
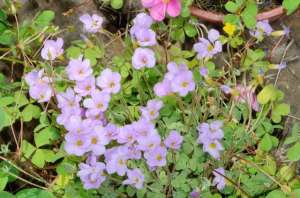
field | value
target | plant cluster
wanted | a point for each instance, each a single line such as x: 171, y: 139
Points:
x: 158, y: 119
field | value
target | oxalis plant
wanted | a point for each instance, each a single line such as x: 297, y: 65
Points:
x: 155, y: 119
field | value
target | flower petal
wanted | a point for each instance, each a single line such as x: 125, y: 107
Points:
x: 174, y: 8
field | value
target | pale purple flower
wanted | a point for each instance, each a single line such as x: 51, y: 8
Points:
x: 247, y: 95
x: 134, y: 152
x: 281, y: 66
x: 195, y: 194
x: 66, y: 115
x: 226, y: 89
x: 68, y: 101
x: 207, y: 48
x: 98, y: 140
x: 149, y: 143
x: 96, y: 119
x: 127, y: 134
x: 219, y: 179
x: 116, y: 160
x: 213, y: 147
x: 262, y: 28
x: 203, y: 71
x: 173, y: 140
x: 41, y: 93
x: 98, y: 102
x: 151, y: 111
x: 146, y: 37
x: 76, y: 144
x: 92, y: 23
x: 135, y: 178
x: 93, y: 175
x: 111, y: 131
x: 210, y: 131
x: 52, y: 49
x: 156, y: 157
x: 77, y: 125
x: 79, y: 69
x: 39, y: 86
x: 109, y: 81
x: 140, y: 22
x: 144, y: 128
x: 183, y: 83
x: 85, y: 87
x: 175, y: 69
x: 143, y: 57
x: 163, y: 88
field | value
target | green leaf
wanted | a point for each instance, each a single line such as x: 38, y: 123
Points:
x: 44, y: 18
x: 116, y: 4
x: 31, y: 111
x: 280, y: 110
x: 38, y: 158
x: 290, y: 5
x: 92, y: 54
x: 5, y: 118
x: 34, y: 193
x: 3, y: 182
x: 4, y: 194
x: 20, y: 99
x: 27, y: 148
x: 231, y: 7
x: 287, y: 172
x: 249, y: 15
x: 267, y: 94
x: 46, y: 136
x: 266, y: 143
x: 190, y: 30
x: 231, y: 18
x: 7, y: 37
x: 6, y: 100
x: 293, y: 153
x: 276, y: 194
x: 73, y: 52
x: 66, y: 168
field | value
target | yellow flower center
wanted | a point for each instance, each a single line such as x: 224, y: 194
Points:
x: 210, y: 48
x: 158, y: 157
x: 184, y: 84
x: 94, y: 140
x: 88, y: 88
x: 229, y: 28
x: 100, y: 105
x: 79, y: 143
x: 212, y: 145
x: 166, y: 1
x: 112, y: 85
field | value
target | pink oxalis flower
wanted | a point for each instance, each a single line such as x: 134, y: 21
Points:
x: 159, y: 8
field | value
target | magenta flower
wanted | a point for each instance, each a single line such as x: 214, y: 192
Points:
x: 156, y: 157
x: 135, y: 178
x: 79, y: 69
x: 85, y: 87
x: 219, y: 179
x: 109, y: 81
x: 183, y: 83
x: 151, y: 111
x: 207, y: 48
x: 159, y: 8
x: 174, y: 140
x: 92, y: 23
x: 98, y: 102
x: 143, y: 57
x: 145, y: 37
x: 52, y: 49
x: 93, y: 175
x: 247, y: 95
x: 76, y: 144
